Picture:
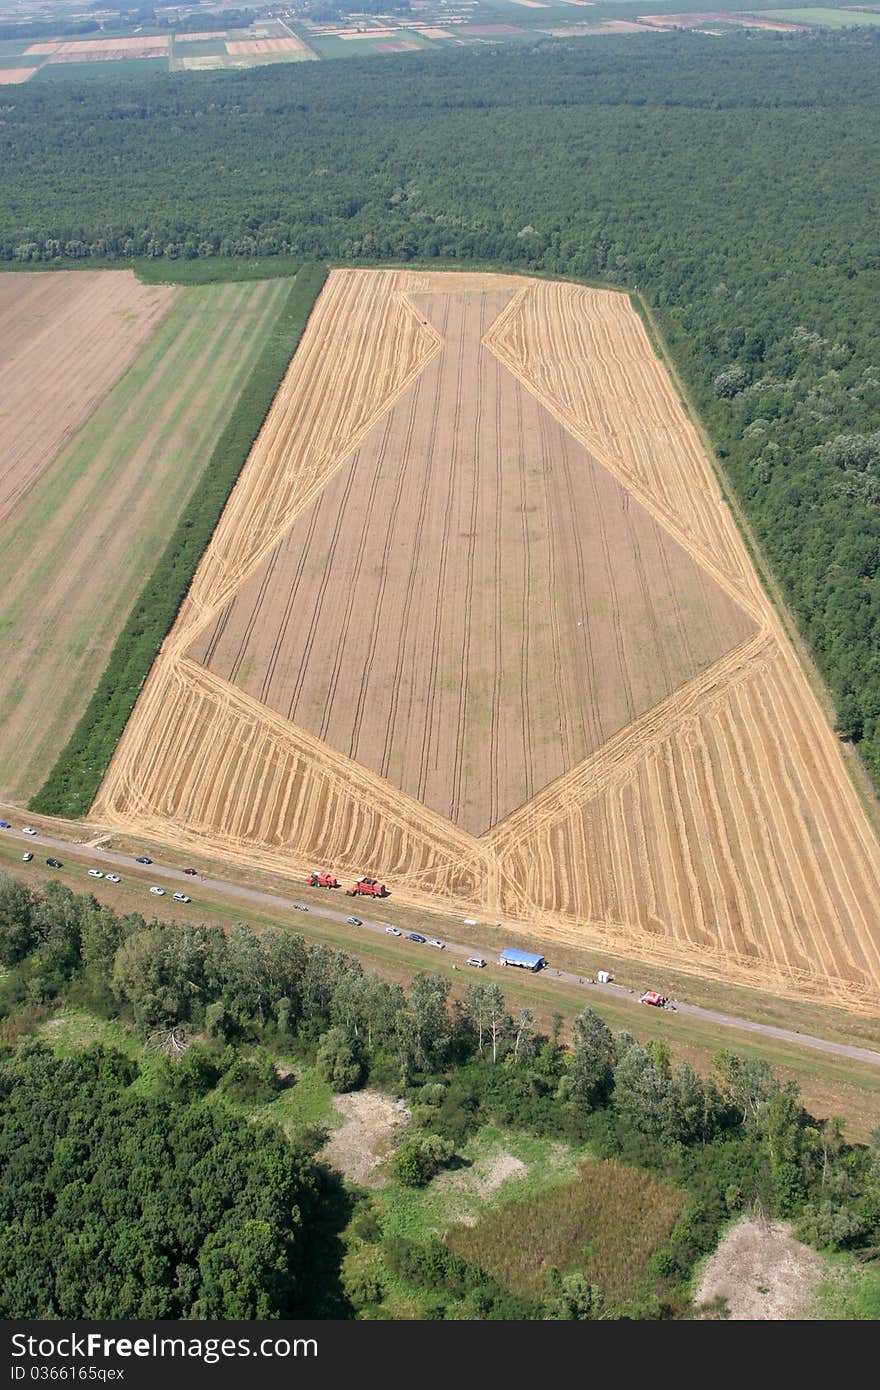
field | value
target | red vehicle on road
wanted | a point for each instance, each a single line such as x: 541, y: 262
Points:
x: 367, y: 888
x: 651, y: 996
x: 319, y: 879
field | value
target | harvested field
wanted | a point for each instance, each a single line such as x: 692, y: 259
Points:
x: 78, y: 547
x: 247, y: 47
x: 87, y: 50
x: 9, y: 76
x: 488, y: 31
x: 472, y: 659
x: 397, y: 46
x: 65, y: 338
x: 476, y: 618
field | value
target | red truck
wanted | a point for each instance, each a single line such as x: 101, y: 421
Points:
x: 651, y: 996
x: 367, y: 888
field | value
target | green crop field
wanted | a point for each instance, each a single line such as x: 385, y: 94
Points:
x: 80, y: 544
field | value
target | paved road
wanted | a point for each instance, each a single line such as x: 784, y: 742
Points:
x: 160, y: 873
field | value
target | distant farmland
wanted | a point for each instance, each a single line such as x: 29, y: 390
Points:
x: 476, y: 618
x: 85, y: 522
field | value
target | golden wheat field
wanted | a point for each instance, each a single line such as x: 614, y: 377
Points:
x: 477, y: 620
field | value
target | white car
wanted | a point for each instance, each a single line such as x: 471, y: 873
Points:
x: 476, y: 961
x: 440, y: 945
x: 182, y: 898
x: 160, y: 892
x: 113, y: 878
x: 392, y: 931
x: 28, y: 830
x: 95, y: 873
x: 27, y: 856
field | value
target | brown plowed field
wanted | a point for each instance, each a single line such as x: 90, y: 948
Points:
x: 65, y: 338
x: 477, y: 619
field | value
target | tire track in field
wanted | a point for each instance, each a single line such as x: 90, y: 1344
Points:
x: 562, y: 712
x: 376, y: 627
x: 526, y: 718
x: 415, y: 560
x: 428, y: 724
x: 464, y: 650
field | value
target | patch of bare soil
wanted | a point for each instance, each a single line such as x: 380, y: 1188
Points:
x: 762, y: 1272
x: 364, y: 1138
x: 481, y: 1180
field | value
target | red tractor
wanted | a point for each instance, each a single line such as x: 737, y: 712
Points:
x: 319, y: 879
x: 367, y: 888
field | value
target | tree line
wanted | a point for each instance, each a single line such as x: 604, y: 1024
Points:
x: 221, y: 1006
x: 732, y: 180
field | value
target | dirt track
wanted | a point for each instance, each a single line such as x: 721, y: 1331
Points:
x: 715, y: 829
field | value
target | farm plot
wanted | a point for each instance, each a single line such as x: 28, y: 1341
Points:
x: 79, y: 545
x: 65, y: 338
x: 476, y: 618
x: 471, y: 605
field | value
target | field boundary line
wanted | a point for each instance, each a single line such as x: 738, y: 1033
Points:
x: 599, y: 452
x: 207, y: 612
x: 615, y: 760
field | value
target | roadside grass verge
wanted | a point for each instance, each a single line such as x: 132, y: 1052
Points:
x: 73, y: 783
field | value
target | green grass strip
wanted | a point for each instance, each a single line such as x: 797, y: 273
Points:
x: 73, y: 783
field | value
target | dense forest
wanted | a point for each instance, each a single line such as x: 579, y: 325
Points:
x: 126, y: 1200
x: 734, y: 181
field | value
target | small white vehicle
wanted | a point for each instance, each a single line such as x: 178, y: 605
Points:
x: 440, y: 945
x: 27, y: 856
x: 182, y: 898
x: 113, y: 878
x: 28, y: 830
x: 95, y: 873
x: 160, y: 892
x: 476, y: 961
x: 393, y: 931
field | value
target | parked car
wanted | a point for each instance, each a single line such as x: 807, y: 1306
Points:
x: 113, y: 878
x: 476, y: 961
x: 27, y: 856
x: 191, y: 872
x: 28, y: 830
x: 651, y: 996
x: 182, y: 898
x: 4, y: 825
x: 354, y: 921
x: 160, y: 892
x: 95, y: 873
x: 440, y: 945
x: 414, y: 936
x: 392, y: 931
x: 143, y: 859
x: 54, y: 863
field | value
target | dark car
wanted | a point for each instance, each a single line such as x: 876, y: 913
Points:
x: 414, y: 936
x: 143, y: 859
x: 54, y: 863
x: 4, y: 825
x: 191, y: 872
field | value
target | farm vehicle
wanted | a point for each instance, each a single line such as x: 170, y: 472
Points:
x: 319, y: 879
x: 367, y: 888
